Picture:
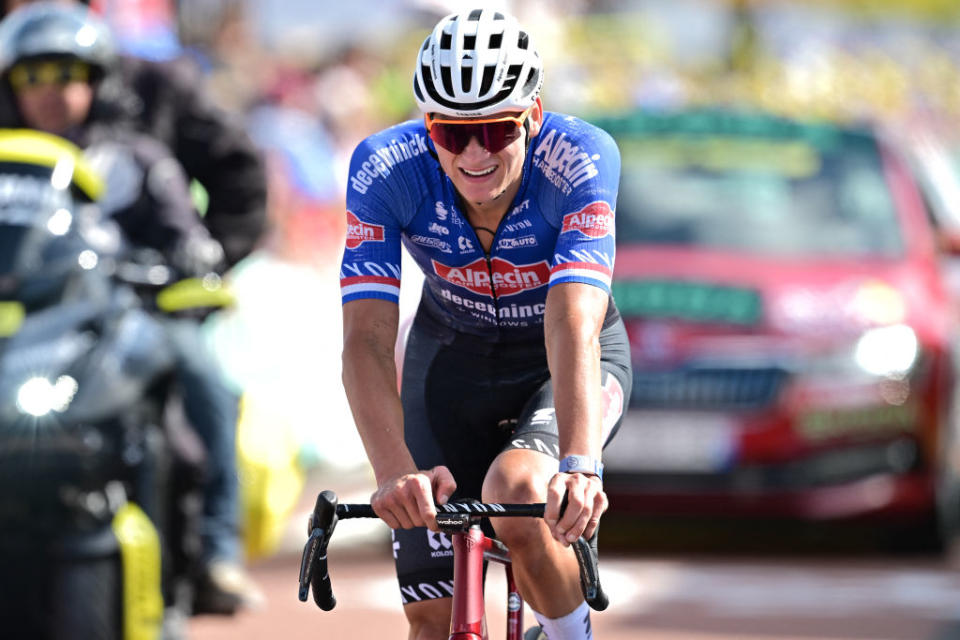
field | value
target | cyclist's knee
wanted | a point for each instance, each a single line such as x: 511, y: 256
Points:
x: 429, y: 619
x: 507, y: 488
x: 518, y: 477
x: 504, y: 486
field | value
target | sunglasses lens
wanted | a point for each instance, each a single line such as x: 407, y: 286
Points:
x: 493, y: 136
x: 59, y: 72
x: 497, y: 135
x: 452, y: 137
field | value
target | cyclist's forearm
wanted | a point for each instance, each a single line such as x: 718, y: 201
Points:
x: 380, y: 422
x: 370, y: 382
x: 572, y: 329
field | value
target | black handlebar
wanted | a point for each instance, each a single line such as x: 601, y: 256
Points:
x: 327, y: 512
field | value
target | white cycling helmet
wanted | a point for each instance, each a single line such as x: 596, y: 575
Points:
x: 477, y: 63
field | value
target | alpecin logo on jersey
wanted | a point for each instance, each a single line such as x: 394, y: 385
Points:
x: 595, y: 220
x: 507, y: 278
x: 359, y: 231
x: 563, y: 162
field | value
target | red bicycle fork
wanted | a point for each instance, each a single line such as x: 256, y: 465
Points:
x: 469, y: 549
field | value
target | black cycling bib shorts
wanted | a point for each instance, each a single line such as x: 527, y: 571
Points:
x: 466, y: 399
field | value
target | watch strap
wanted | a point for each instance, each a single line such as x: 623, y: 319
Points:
x: 581, y: 464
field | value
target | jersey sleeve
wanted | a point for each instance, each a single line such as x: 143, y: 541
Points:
x: 585, y: 246
x: 371, y: 259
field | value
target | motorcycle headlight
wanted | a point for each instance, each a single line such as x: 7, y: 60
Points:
x: 888, y: 351
x: 38, y: 396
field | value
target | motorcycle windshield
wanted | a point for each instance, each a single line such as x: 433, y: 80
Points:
x: 38, y: 244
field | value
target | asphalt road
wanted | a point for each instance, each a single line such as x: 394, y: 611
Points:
x: 663, y: 598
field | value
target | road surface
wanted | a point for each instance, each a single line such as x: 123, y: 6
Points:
x: 652, y: 598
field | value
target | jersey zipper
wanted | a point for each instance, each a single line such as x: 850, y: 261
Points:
x: 486, y: 258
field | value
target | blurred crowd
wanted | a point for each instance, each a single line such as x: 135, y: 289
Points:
x: 313, y: 78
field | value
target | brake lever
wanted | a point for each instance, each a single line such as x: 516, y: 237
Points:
x: 307, y: 561
x: 587, y: 559
x: 322, y: 523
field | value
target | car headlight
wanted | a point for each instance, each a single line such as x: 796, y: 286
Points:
x: 887, y: 351
x: 38, y: 396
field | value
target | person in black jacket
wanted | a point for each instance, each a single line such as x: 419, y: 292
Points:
x: 167, y: 100
x: 56, y: 63
x: 212, y: 145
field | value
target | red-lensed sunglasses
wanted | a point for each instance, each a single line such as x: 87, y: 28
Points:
x: 493, y: 134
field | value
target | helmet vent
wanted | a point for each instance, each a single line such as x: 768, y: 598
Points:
x: 469, y: 42
x: 523, y: 41
x: 513, y: 76
x: 445, y: 41
x: 447, y: 79
x: 487, y: 79
x: 531, y: 82
x: 466, y: 79
x: 475, y: 15
x: 496, y: 40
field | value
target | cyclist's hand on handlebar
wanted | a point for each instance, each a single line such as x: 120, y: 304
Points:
x: 407, y: 501
x: 586, y: 502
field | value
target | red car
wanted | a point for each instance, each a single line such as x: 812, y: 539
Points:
x: 792, y: 336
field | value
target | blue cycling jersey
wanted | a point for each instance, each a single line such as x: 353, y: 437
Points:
x: 559, y: 227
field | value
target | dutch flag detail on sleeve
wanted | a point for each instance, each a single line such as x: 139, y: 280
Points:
x: 360, y: 287
x: 596, y: 274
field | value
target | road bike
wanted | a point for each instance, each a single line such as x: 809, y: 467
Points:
x: 471, y: 547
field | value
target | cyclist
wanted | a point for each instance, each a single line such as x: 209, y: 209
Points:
x: 55, y: 62
x: 517, y: 356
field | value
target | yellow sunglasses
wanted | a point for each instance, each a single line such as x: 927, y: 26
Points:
x: 46, y: 72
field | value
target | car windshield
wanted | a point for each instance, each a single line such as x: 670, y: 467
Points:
x: 788, y: 192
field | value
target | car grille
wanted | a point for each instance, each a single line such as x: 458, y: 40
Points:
x: 706, y: 388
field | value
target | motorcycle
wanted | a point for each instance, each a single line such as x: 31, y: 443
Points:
x: 90, y: 539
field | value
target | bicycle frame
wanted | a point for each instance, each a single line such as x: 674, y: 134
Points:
x: 470, y: 548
